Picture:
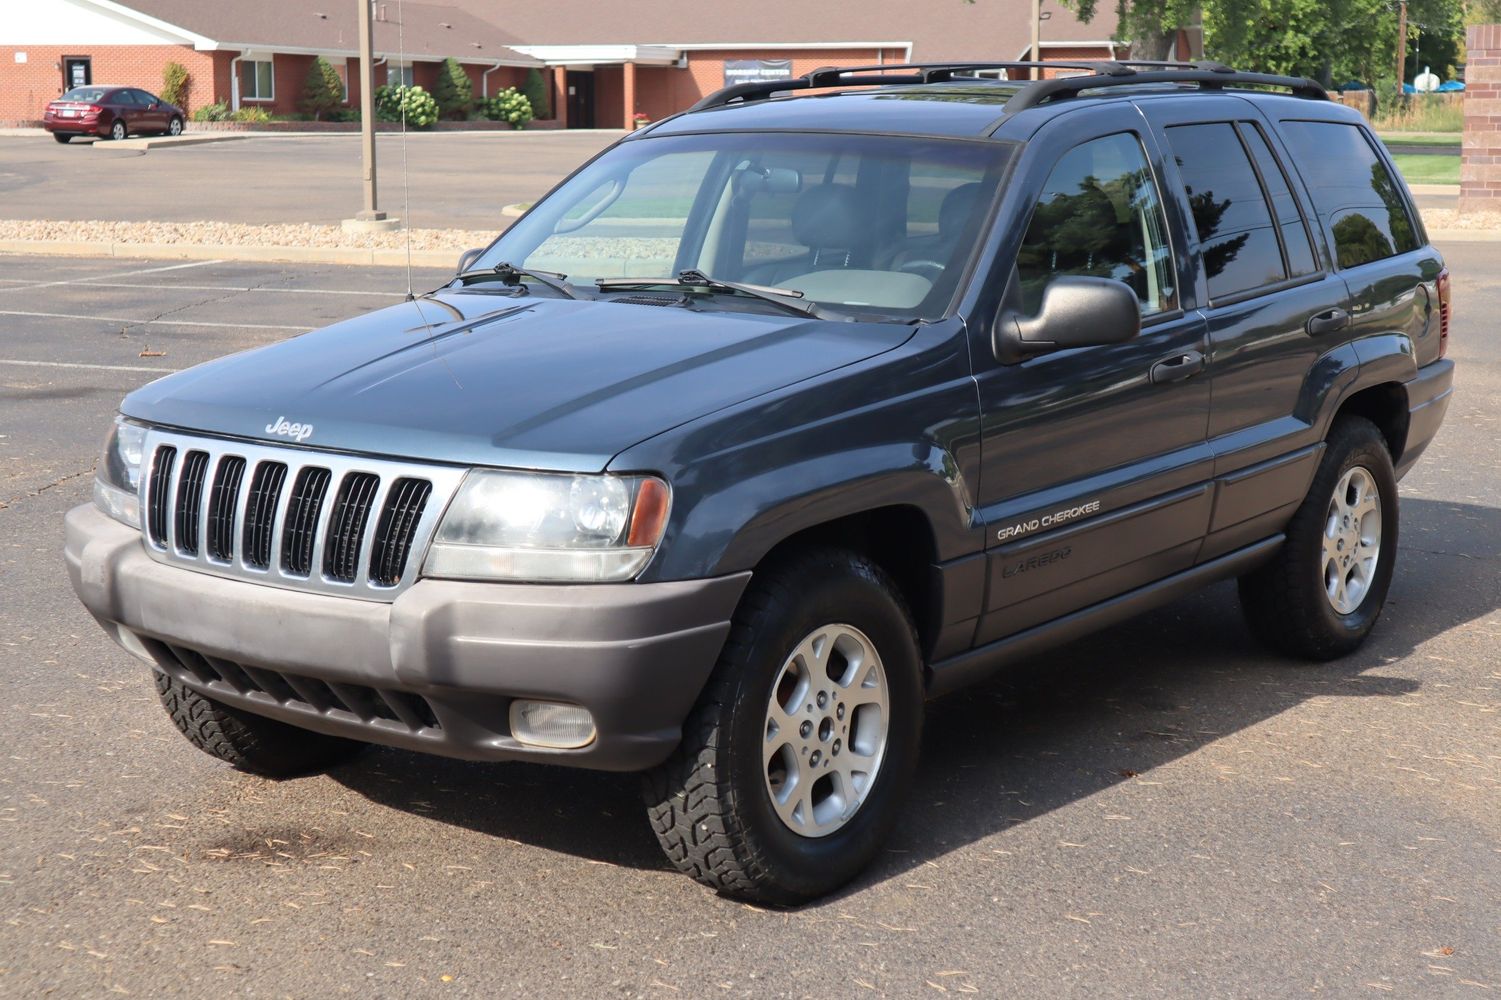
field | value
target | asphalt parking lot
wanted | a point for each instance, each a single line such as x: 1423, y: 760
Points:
x: 451, y: 180
x: 1159, y: 810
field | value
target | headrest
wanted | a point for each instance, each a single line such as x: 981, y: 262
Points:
x: 829, y: 217
x: 958, y: 205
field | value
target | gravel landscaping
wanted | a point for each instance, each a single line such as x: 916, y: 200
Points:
x: 235, y: 234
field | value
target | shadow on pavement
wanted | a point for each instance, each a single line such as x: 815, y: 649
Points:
x: 1046, y: 733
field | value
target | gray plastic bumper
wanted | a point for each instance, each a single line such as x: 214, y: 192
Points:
x: 1428, y: 398
x: 448, y: 657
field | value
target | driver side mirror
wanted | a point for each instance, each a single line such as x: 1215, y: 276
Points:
x: 468, y: 257
x: 1076, y: 312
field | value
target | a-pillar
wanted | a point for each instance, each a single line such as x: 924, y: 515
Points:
x: 628, y: 95
x: 1480, y: 168
x: 560, y: 96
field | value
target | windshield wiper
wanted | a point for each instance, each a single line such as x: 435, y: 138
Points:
x: 511, y: 275
x: 695, y: 281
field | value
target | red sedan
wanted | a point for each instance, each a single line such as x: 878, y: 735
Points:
x: 110, y: 112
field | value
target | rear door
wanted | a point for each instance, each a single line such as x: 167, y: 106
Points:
x: 1270, y: 302
x: 1094, y: 472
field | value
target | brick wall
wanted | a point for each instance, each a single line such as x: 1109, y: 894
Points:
x: 25, y: 88
x: 662, y: 91
x: 1480, y: 168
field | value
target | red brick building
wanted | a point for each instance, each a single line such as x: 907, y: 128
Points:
x: 607, y: 61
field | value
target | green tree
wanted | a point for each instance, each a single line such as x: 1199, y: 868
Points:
x: 1149, y: 25
x: 453, y: 90
x: 175, y: 83
x: 324, y: 91
x: 539, y: 94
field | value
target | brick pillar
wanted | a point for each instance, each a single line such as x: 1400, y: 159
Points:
x: 628, y: 95
x: 1480, y: 170
x: 560, y: 96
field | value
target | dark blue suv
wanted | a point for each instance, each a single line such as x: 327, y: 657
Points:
x: 782, y: 416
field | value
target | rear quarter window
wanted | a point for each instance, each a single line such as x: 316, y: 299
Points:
x: 1356, y: 197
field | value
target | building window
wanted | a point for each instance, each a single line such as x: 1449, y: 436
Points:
x: 399, y: 76
x: 341, y: 67
x: 257, y: 82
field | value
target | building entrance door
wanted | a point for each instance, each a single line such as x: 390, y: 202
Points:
x: 580, y: 98
x: 78, y: 71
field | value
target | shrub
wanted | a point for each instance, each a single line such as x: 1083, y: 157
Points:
x: 212, y: 113
x: 251, y: 114
x: 420, y: 108
x: 324, y: 91
x: 454, y: 92
x: 510, y: 105
x: 175, y: 83
x: 538, y: 93
x: 343, y: 115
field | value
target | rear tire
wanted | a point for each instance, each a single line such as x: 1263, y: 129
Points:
x: 784, y: 813
x: 1320, y: 597
x: 250, y: 742
x: 60, y: 137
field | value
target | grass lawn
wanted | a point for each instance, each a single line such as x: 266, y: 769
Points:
x: 1395, y: 139
x: 1420, y: 169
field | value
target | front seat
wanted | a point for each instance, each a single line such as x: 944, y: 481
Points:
x: 828, y: 220
x: 954, y: 214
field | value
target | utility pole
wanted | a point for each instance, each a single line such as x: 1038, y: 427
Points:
x: 1037, y: 38
x: 369, y: 219
x: 1401, y: 45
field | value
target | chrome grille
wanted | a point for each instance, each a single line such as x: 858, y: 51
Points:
x: 295, y: 518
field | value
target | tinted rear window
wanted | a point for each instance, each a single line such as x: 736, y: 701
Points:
x: 1237, y: 237
x: 83, y: 94
x: 1355, y: 195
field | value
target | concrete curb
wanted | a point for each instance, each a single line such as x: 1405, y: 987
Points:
x: 1464, y: 236
x: 1443, y: 189
x: 359, y: 256
x: 168, y: 141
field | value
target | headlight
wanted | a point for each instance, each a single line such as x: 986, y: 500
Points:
x: 549, y: 528
x: 117, y: 482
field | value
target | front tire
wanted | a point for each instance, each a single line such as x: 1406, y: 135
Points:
x: 1322, y: 594
x: 796, y: 758
x: 250, y: 742
x: 174, y: 127
x: 61, y: 137
x: 117, y: 131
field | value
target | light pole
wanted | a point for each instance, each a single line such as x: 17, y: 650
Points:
x: 1401, y: 45
x: 1037, y: 38
x: 370, y: 218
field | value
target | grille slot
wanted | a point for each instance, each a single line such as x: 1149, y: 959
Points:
x: 393, y: 533
x: 190, y: 501
x: 223, y: 499
x: 301, y: 530
x: 260, y: 513
x: 158, y: 499
x: 346, y: 526
x: 369, y: 705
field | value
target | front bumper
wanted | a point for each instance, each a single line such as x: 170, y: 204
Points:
x: 435, y: 670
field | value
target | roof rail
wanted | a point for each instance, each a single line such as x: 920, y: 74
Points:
x: 1096, y: 75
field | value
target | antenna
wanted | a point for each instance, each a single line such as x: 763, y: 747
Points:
x: 406, y: 200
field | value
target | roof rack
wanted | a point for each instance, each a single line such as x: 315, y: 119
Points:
x: 1096, y: 76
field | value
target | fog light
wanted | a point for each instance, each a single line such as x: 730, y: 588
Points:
x: 548, y: 724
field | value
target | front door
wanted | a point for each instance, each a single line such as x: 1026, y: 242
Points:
x: 1095, y: 467
x: 580, y: 98
x: 78, y: 71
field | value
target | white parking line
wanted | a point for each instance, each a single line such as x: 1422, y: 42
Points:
x: 74, y: 364
x: 94, y: 278
x: 154, y: 322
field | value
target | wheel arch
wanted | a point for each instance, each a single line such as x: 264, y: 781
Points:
x: 1384, y: 405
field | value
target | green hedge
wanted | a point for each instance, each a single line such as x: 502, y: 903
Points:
x: 421, y: 110
x: 510, y: 105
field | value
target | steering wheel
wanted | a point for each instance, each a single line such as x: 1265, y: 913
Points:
x: 936, y: 268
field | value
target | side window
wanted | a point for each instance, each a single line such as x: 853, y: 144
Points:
x: 1100, y: 215
x: 1356, y: 197
x: 1300, y: 255
x: 1237, y: 238
x: 144, y: 99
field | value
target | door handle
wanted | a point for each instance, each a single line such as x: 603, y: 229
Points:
x: 1178, y: 368
x: 1329, y: 321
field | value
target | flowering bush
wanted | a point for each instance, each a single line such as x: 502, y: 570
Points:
x: 510, y: 105
x: 421, y: 110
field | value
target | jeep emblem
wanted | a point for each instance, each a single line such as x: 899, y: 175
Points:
x: 297, y: 432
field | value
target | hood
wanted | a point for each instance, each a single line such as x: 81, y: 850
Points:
x: 535, y: 382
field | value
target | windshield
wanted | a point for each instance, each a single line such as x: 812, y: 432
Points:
x: 871, y: 225
x: 83, y: 94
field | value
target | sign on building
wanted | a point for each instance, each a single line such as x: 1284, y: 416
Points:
x: 756, y: 70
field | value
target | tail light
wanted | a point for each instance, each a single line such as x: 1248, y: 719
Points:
x: 92, y: 109
x: 1443, y: 312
